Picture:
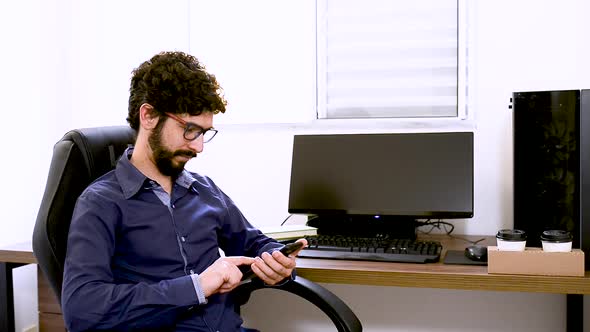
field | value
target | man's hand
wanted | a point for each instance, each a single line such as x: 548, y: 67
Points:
x: 276, y: 267
x: 223, y: 275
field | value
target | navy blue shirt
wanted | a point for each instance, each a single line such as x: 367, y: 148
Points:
x: 131, y: 253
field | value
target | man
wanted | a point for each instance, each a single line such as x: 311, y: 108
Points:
x: 143, y: 246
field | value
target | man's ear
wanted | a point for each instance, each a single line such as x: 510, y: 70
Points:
x: 148, y: 118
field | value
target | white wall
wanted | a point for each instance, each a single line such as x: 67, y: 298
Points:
x: 28, y: 111
x: 66, y: 64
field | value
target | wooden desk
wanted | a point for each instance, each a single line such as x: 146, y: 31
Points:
x: 432, y: 275
x: 11, y: 257
x: 440, y: 275
x: 437, y: 275
x: 50, y: 316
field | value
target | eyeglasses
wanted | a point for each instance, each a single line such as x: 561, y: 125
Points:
x: 193, y: 131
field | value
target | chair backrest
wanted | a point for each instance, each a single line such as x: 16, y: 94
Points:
x: 79, y: 158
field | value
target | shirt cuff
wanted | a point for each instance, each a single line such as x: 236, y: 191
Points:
x: 198, y: 289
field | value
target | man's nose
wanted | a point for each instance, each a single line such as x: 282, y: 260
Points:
x: 197, y: 144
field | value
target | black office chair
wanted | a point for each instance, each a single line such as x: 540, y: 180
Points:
x: 83, y: 155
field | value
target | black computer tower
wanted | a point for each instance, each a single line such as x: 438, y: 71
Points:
x: 552, y: 164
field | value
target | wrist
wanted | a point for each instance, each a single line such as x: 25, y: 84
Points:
x: 206, y: 284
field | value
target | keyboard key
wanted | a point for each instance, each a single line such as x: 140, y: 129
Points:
x: 332, y: 248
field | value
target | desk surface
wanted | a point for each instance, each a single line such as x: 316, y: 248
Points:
x: 437, y: 275
x: 17, y: 253
x: 431, y: 275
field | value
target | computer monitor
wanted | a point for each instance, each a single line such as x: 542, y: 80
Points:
x: 382, y: 178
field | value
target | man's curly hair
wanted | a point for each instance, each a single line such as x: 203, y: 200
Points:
x: 174, y: 82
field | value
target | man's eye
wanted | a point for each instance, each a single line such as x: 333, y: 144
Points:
x: 192, y: 129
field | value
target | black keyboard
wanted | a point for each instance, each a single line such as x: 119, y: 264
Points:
x: 381, y: 248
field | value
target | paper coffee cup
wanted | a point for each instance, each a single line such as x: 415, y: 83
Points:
x: 556, y: 241
x: 511, y: 240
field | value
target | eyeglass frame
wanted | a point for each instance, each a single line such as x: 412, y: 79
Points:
x: 187, y: 127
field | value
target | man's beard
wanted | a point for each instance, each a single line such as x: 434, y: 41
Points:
x: 164, y: 158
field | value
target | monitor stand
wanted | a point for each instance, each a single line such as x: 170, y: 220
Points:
x: 364, y: 225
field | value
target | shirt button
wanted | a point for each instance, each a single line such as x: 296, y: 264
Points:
x: 183, y: 239
x: 173, y: 206
x: 192, y: 272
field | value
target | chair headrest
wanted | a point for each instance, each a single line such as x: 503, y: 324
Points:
x: 101, y: 146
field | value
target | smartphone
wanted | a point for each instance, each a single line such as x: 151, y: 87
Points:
x: 288, y: 249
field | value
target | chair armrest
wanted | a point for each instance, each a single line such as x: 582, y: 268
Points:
x: 341, y: 315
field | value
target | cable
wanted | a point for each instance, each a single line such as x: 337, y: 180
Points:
x: 312, y: 218
x: 437, y: 224
x: 284, y: 221
x: 308, y: 219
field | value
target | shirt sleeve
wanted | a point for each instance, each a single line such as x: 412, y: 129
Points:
x: 240, y: 238
x: 92, y: 299
x: 198, y: 289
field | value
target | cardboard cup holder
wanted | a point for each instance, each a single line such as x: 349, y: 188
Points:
x: 535, y: 261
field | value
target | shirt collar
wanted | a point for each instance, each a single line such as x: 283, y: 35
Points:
x: 186, y: 180
x: 132, y: 180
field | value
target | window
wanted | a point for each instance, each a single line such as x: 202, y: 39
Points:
x: 390, y: 59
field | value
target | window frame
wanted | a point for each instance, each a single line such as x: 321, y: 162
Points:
x: 464, y: 117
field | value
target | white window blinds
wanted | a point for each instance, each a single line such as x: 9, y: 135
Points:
x: 387, y: 58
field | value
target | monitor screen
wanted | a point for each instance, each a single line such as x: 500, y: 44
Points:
x: 411, y: 175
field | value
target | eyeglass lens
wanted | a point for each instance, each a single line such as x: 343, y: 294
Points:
x: 193, y: 132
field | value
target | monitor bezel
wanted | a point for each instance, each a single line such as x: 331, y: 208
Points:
x: 401, y: 215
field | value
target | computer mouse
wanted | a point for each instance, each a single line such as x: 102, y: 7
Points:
x: 477, y: 253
